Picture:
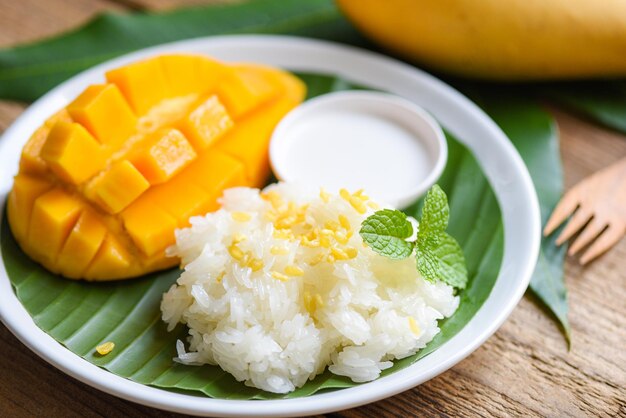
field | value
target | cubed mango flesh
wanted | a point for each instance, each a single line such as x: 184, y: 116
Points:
x: 82, y: 244
x: 94, y: 109
x: 249, y: 143
x: 26, y: 190
x: 151, y: 233
x: 112, y: 261
x: 143, y: 84
x: 53, y: 216
x: 31, y: 161
x: 72, y: 153
x: 165, y: 153
x: 119, y: 186
x: 213, y: 172
x: 206, y: 123
x: 195, y: 200
x: 191, y: 74
x: 104, y: 183
x: 246, y: 88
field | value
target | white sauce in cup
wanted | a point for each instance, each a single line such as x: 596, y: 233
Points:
x: 360, y: 140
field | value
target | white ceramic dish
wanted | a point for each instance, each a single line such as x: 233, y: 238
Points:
x: 396, y: 149
x: 498, y: 158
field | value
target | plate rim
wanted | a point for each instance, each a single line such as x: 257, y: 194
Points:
x: 20, y: 323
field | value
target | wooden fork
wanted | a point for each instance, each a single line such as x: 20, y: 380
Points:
x: 598, y: 204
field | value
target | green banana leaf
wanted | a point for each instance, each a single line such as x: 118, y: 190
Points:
x: 81, y: 315
x: 603, y: 101
x: 26, y: 72
x: 534, y: 134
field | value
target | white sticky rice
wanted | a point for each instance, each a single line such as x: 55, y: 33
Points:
x: 278, y: 284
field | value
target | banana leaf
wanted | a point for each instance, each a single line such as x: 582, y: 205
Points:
x: 534, y: 134
x: 603, y: 101
x: 82, y: 315
x: 28, y: 71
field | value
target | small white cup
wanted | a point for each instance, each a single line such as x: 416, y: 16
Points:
x: 379, y: 142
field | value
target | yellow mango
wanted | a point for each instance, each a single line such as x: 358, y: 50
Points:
x: 165, y: 154
x: 112, y: 261
x: 53, y: 216
x: 119, y: 186
x: 72, y: 153
x: 246, y: 88
x: 31, y: 161
x: 151, y: 228
x: 142, y: 83
x: 210, y: 74
x: 25, y: 191
x: 193, y: 201
x: 104, y: 183
x: 206, y: 123
x: 93, y: 109
x: 249, y: 143
x: 190, y: 74
x: 516, y: 40
x: 82, y: 245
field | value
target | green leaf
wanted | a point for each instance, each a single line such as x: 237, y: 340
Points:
x: 534, y: 134
x: 603, y: 100
x: 442, y: 259
x: 28, y: 71
x: 435, y: 213
x: 81, y: 315
x: 439, y: 256
x: 386, y: 231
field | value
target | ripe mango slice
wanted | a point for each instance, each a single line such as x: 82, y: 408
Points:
x: 165, y: 154
x: 72, y: 153
x: 104, y: 182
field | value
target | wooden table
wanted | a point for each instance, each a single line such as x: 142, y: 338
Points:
x: 525, y: 369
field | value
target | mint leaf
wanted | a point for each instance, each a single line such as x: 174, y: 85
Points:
x: 441, y: 258
x: 435, y: 213
x: 385, y: 231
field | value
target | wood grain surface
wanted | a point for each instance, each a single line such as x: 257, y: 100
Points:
x: 525, y: 369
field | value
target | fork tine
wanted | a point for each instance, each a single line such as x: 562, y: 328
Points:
x: 609, y: 238
x: 579, y: 219
x: 591, y: 231
x: 565, y: 207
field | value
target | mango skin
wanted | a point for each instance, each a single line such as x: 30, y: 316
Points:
x: 149, y: 176
x: 512, y: 40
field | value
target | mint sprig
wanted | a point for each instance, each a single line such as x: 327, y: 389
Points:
x: 435, y: 214
x: 386, y: 232
x: 439, y: 256
x: 442, y: 259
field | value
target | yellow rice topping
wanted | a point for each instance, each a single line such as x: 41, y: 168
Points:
x: 105, y: 348
x: 415, y: 329
x: 241, y: 216
x: 280, y: 276
x: 292, y: 270
x: 332, y: 236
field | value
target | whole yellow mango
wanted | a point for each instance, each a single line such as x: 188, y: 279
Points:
x: 496, y: 39
x: 104, y: 183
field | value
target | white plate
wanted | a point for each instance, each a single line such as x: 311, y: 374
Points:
x: 498, y: 158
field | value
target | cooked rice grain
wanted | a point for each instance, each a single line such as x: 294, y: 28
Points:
x: 277, y: 285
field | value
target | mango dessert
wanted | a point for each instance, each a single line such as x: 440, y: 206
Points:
x: 104, y: 182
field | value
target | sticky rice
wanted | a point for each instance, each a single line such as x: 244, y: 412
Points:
x: 277, y: 285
